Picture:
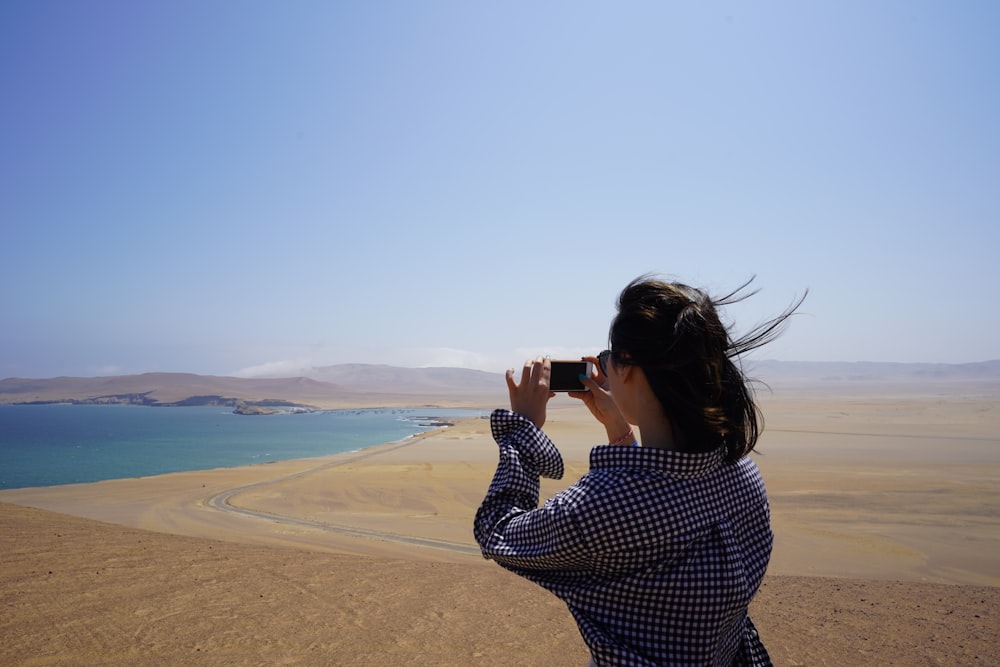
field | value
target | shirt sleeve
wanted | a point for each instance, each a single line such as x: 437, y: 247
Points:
x: 509, y: 526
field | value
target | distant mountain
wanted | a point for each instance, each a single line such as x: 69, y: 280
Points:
x: 164, y: 389
x: 356, y: 385
x: 381, y: 378
x: 915, y: 376
x: 371, y: 385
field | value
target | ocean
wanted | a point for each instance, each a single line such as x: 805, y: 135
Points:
x: 45, y: 445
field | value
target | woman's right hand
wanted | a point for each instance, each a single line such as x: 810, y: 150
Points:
x: 530, y: 396
x: 600, y: 402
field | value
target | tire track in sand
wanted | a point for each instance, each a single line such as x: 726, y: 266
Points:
x: 221, y: 502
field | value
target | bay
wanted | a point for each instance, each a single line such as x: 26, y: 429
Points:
x: 46, y: 445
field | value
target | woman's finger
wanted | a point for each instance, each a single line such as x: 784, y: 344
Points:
x: 511, y: 385
x: 544, y: 367
x: 527, y: 372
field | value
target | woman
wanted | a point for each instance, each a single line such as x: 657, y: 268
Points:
x: 659, y: 548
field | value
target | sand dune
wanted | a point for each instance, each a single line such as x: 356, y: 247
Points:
x: 885, y: 512
x: 78, y: 592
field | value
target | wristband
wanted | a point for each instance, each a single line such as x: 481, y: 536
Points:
x: 627, y: 439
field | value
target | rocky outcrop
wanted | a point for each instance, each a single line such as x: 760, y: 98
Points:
x: 246, y: 409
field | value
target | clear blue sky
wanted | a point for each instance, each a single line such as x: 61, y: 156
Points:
x: 238, y: 186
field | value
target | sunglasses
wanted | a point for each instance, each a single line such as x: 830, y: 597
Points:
x: 602, y: 361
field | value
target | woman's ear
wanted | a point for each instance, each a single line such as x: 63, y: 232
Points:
x: 626, y: 373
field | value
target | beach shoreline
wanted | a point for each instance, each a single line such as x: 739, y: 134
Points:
x: 863, y: 495
x: 43, y: 446
x: 884, y: 512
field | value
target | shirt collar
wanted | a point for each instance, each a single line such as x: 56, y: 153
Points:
x: 676, y: 464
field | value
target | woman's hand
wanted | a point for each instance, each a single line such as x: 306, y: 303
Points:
x: 600, y: 402
x: 530, y: 396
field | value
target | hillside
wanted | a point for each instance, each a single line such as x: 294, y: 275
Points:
x: 356, y: 385
x: 866, y: 378
x: 368, y: 385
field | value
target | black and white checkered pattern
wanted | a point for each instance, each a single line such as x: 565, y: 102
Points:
x: 656, y: 553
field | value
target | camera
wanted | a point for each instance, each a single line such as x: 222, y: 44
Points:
x: 566, y: 375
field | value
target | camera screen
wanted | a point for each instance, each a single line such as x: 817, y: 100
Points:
x: 566, y: 376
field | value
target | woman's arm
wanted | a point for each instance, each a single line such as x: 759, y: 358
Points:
x: 509, y: 526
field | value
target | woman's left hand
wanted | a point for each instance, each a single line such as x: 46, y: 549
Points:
x: 601, y: 404
x: 530, y: 396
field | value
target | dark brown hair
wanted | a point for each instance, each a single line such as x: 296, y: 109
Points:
x: 692, y: 362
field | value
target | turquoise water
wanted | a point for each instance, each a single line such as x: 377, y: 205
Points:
x: 44, y: 445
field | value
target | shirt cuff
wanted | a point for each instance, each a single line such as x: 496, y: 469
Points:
x: 532, y: 445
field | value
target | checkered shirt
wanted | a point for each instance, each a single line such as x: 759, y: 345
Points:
x: 656, y: 553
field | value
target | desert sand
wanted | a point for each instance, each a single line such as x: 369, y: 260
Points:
x: 886, y: 512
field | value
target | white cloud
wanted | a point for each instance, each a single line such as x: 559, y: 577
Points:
x: 553, y: 351
x: 494, y: 361
x: 451, y: 357
x: 276, y: 369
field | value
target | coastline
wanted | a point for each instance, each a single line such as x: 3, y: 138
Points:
x: 182, y: 502
x: 851, y: 496
x: 100, y: 443
x: 883, y: 509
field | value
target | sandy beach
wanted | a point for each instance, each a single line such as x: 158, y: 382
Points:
x: 886, y: 513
